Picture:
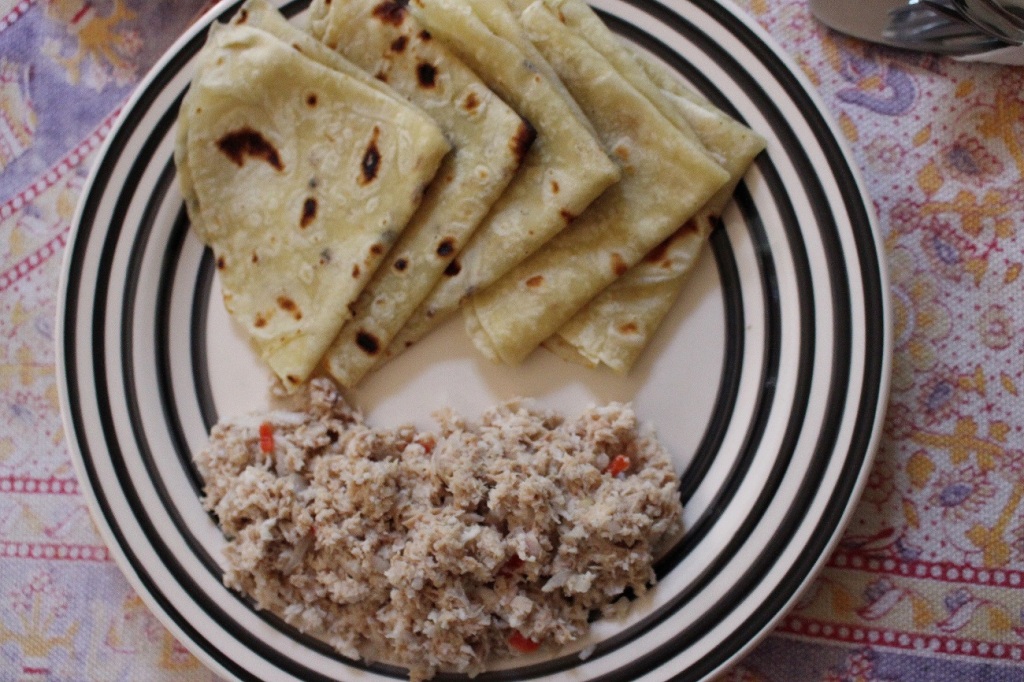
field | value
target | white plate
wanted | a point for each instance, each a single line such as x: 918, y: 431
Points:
x: 768, y: 382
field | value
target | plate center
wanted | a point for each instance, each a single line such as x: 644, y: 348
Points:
x: 684, y: 362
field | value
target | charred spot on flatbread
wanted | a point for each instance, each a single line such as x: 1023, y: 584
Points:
x: 425, y: 35
x: 246, y: 142
x: 391, y: 12
x: 535, y: 281
x: 309, y: 207
x: 368, y: 342
x: 221, y: 263
x: 660, y: 254
x: 446, y: 247
x: 567, y: 216
x: 426, y: 74
x: 657, y: 254
x: 370, y: 165
x: 311, y: 99
x: 401, y: 264
x: 622, y: 152
x: 619, y: 264
x: 523, y: 140
x: 289, y: 306
x: 399, y: 43
x: 472, y: 102
x: 325, y: 256
x: 453, y: 269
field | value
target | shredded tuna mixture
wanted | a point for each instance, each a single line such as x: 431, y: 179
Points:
x: 438, y: 551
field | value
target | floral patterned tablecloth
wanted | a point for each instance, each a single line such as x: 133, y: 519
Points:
x: 927, y: 582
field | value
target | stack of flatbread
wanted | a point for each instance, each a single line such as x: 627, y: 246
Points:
x: 398, y: 162
x: 491, y: 140
x: 615, y: 327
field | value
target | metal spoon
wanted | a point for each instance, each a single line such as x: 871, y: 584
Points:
x: 1001, y: 21
x: 939, y: 26
x: 927, y: 20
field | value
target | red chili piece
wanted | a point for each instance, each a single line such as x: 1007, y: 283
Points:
x: 520, y: 642
x: 618, y: 465
x: 266, y: 437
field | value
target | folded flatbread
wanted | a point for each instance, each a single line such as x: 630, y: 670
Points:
x: 615, y: 327
x: 489, y: 142
x: 667, y: 177
x: 299, y: 177
x: 260, y: 14
x: 564, y: 171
